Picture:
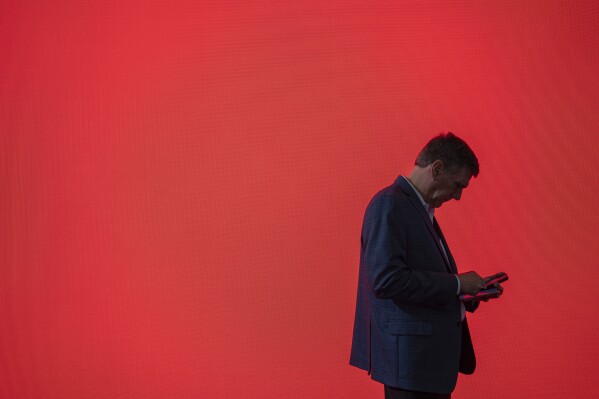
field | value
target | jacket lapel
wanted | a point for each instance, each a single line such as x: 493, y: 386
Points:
x: 415, y: 201
x: 452, y: 265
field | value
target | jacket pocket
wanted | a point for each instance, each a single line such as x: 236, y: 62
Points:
x: 396, y: 327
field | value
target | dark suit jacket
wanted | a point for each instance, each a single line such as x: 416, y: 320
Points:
x: 408, y: 331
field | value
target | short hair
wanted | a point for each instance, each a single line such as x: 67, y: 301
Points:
x: 451, y: 150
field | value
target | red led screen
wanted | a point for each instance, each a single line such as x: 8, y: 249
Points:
x: 183, y: 185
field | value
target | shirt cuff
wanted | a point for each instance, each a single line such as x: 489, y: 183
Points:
x: 457, y: 278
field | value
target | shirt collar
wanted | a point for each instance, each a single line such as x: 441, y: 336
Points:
x: 429, y: 209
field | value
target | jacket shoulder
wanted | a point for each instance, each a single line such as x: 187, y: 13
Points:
x: 389, y: 197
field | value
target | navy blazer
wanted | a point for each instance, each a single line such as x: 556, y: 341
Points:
x: 408, y: 331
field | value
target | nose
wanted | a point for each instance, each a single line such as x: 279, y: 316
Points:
x: 457, y: 194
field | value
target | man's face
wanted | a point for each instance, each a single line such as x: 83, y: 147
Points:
x: 448, y: 185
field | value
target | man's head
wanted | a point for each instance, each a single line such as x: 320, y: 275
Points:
x: 443, y: 169
x: 451, y: 150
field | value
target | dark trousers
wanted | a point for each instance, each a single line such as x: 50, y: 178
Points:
x: 396, y: 393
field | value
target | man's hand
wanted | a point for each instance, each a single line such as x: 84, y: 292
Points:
x: 494, y: 285
x: 471, y: 283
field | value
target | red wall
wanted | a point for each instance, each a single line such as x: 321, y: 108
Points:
x: 183, y: 184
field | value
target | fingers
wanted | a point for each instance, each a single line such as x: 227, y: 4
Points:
x: 482, y: 285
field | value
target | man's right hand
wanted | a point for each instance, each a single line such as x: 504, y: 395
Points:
x: 471, y: 283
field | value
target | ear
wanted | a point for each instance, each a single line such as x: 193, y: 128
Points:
x: 436, y: 169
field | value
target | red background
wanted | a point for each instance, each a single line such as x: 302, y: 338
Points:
x: 183, y: 185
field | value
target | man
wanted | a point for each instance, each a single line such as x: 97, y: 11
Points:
x: 410, y: 332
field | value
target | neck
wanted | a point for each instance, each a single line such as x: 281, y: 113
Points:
x: 419, y: 180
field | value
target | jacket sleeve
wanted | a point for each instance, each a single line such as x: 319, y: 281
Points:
x: 384, y: 258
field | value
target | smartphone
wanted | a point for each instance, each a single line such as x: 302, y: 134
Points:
x: 496, y: 278
x: 483, y: 294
